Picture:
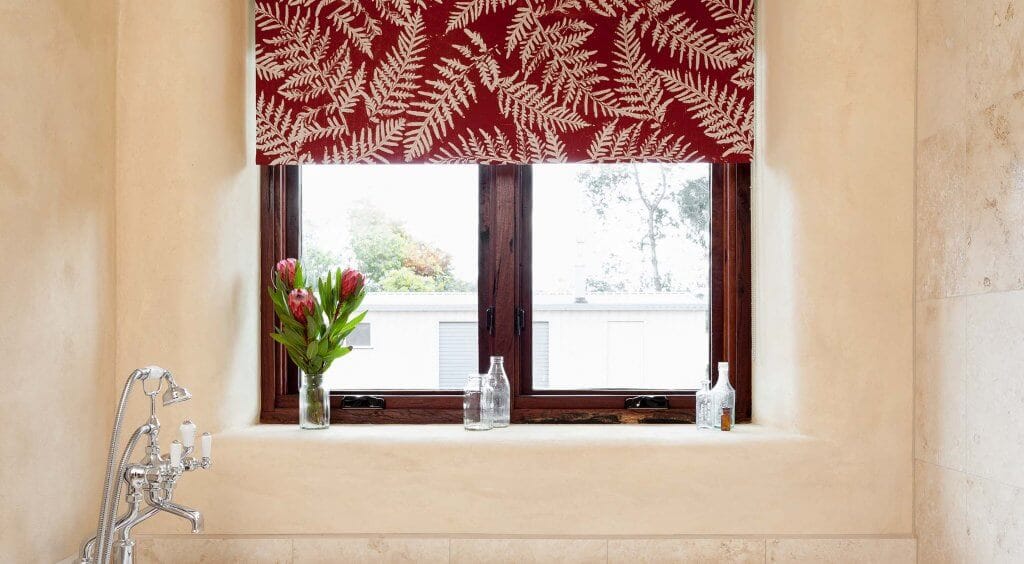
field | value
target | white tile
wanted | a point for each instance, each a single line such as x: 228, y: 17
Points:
x: 704, y: 551
x: 479, y: 551
x: 842, y: 551
x: 369, y: 549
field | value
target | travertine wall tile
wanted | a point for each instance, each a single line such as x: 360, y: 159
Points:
x: 370, y: 549
x: 941, y: 213
x: 970, y: 243
x: 995, y: 386
x: 480, y: 551
x: 995, y: 207
x: 842, y: 551
x: 940, y: 508
x: 188, y: 550
x: 995, y: 51
x: 995, y: 517
x: 703, y: 551
x: 942, y: 64
x: 940, y: 381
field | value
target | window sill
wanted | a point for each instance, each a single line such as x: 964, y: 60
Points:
x: 532, y: 435
x: 533, y: 479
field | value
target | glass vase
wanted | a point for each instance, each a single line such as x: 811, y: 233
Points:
x: 314, y: 403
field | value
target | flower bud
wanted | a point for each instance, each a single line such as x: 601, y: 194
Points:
x: 351, y: 283
x: 285, y: 270
x: 301, y: 304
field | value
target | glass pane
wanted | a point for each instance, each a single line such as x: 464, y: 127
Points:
x: 413, y: 230
x: 621, y: 270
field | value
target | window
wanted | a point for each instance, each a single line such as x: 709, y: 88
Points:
x: 596, y: 282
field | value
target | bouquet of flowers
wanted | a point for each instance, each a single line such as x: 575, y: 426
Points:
x: 313, y: 326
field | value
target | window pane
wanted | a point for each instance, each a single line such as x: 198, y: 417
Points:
x: 413, y: 230
x: 621, y: 270
x: 360, y: 337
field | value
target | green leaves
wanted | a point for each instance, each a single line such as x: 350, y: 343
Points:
x: 317, y: 342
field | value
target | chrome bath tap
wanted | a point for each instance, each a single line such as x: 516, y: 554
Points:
x: 150, y: 482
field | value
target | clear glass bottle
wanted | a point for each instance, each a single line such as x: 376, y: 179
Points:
x: 705, y: 407
x: 500, y: 393
x: 476, y: 413
x: 724, y: 395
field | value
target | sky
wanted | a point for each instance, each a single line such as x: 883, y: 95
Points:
x: 439, y: 204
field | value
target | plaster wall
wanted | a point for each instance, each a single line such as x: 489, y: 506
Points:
x: 831, y: 454
x: 57, y: 243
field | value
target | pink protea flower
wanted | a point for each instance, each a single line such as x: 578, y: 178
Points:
x: 351, y: 282
x: 301, y: 304
x: 285, y: 269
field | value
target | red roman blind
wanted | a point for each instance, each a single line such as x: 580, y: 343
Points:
x: 504, y: 81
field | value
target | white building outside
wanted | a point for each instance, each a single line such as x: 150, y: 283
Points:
x: 614, y: 340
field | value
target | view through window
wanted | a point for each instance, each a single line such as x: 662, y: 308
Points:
x: 621, y: 270
x: 412, y: 229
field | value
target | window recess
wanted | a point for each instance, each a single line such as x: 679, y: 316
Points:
x: 596, y: 326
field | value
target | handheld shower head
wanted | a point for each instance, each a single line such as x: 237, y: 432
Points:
x: 174, y: 393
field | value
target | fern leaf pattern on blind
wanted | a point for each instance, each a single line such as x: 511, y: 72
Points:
x: 504, y: 81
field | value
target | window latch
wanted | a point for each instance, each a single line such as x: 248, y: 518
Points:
x: 362, y: 402
x: 489, y: 320
x: 647, y: 402
x: 520, y: 320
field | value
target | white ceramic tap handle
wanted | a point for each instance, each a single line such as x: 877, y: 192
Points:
x: 176, y: 454
x: 188, y: 433
x: 206, y: 444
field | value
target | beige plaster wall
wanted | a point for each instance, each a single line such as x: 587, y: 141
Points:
x: 833, y: 381
x: 970, y: 281
x: 57, y: 62
x: 188, y: 205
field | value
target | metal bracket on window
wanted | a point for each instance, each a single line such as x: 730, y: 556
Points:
x: 647, y: 402
x: 489, y: 315
x: 362, y: 402
x: 520, y: 320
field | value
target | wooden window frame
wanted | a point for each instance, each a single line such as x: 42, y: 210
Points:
x: 505, y: 244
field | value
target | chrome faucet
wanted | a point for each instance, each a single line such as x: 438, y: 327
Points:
x: 149, y: 481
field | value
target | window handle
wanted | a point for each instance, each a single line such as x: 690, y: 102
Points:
x: 520, y: 320
x: 647, y: 402
x: 362, y: 402
x: 489, y: 314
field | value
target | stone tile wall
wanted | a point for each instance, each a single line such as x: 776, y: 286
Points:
x: 969, y: 375
x: 312, y: 549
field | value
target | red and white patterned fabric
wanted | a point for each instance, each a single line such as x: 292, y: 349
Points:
x: 504, y: 81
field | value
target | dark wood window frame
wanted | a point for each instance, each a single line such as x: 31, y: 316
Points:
x: 504, y: 283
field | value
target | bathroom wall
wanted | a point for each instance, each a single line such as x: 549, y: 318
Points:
x: 188, y: 205
x: 969, y: 465
x: 831, y: 455
x: 57, y: 243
